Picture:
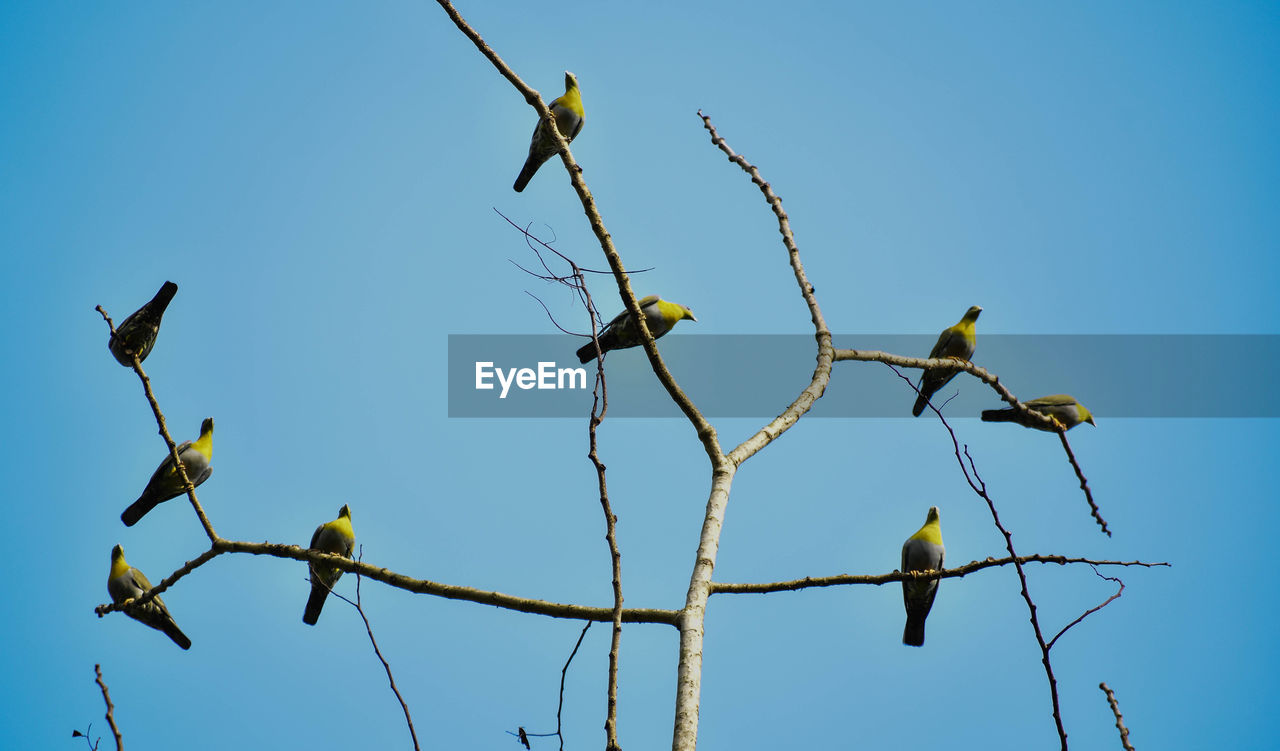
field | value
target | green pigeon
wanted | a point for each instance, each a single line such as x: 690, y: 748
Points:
x: 1061, y: 407
x: 335, y: 537
x: 622, y: 332
x: 166, y: 483
x: 922, y: 551
x: 125, y: 583
x: 959, y: 342
x: 567, y: 109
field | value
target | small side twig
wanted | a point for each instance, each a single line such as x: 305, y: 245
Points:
x: 979, y: 487
x: 1115, y: 709
x: 358, y: 605
x: 563, y: 672
x: 1093, y: 609
x: 93, y: 745
x: 1084, y: 484
x: 111, y: 709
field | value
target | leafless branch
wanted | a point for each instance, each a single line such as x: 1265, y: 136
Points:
x: 400, y: 581
x: 599, y: 407
x: 980, y: 488
x: 563, y: 672
x: 1084, y: 484
x: 1115, y: 709
x: 358, y: 605
x: 164, y: 433
x: 1091, y: 610
x: 111, y: 708
x: 896, y: 576
x: 898, y: 361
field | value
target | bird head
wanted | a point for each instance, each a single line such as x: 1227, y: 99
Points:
x: 570, y: 81
x: 1086, y: 415
x: 206, y: 427
x: 933, y: 515
x: 972, y: 313
x: 117, y: 553
x: 344, y: 511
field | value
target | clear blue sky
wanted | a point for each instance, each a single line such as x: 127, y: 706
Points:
x: 320, y: 181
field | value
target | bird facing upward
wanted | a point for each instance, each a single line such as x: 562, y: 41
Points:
x: 335, y: 537
x: 166, y: 483
x: 922, y: 551
x: 126, y: 583
x: 959, y: 342
x: 570, y: 116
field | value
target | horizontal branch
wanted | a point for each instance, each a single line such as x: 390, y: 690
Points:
x: 897, y: 576
x: 982, y: 374
x: 400, y: 581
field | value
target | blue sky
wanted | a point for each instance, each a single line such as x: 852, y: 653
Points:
x: 320, y: 180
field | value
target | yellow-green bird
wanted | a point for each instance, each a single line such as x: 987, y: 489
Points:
x: 138, y: 332
x: 166, y: 483
x: 958, y: 341
x: 1061, y: 407
x: 622, y: 332
x: 922, y: 551
x: 569, y: 118
x: 335, y: 537
x: 126, y: 582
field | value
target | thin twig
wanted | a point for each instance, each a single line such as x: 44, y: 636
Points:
x: 599, y: 406
x: 1084, y: 484
x: 563, y: 672
x: 576, y: 281
x: 111, y: 709
x: 1091, y: 610
x: 1115, y: 709
x: 358, y: 605
x: 93, y: 745
x: 980, y: 488
x: 896, y: 576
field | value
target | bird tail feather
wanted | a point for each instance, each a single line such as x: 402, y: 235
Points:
x: 137, y: 510
x: 531, y: 166
x: 314, y: 603
x: 172, y: 631
x: 913, y: 634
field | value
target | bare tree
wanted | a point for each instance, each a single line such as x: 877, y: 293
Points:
x: 722, y: 467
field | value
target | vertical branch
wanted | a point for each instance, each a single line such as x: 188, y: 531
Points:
x: 599, y: 407
x: 563, y: 672
x: 111, y: 708
x: 600, y: 400
x: 980, y: 488
x: 358, y: 605
x: 1115, y: 709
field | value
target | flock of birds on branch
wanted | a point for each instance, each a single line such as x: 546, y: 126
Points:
x: 922, y: 552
